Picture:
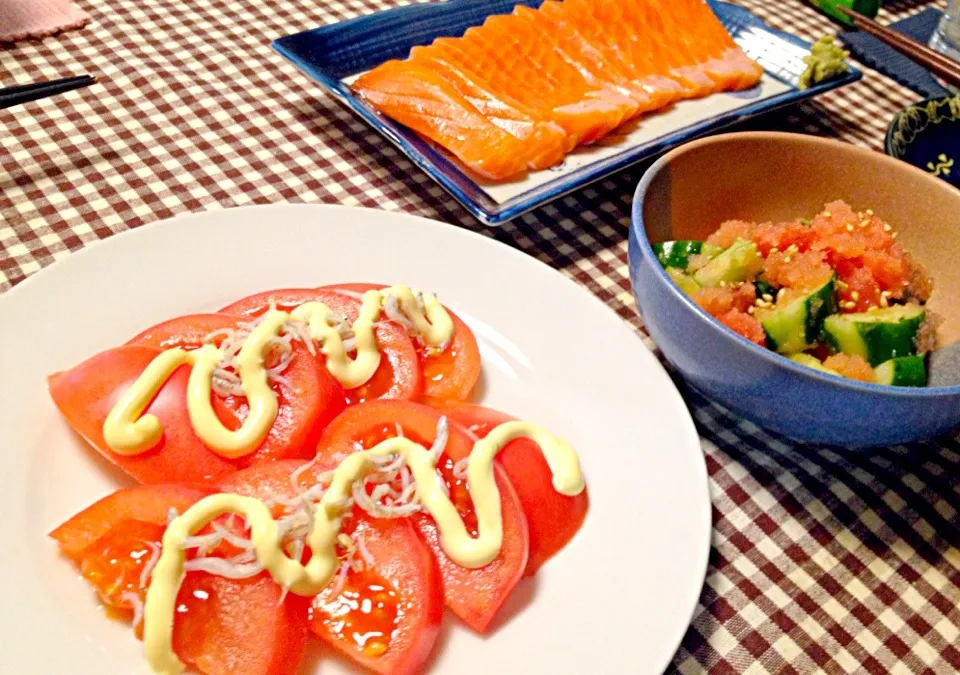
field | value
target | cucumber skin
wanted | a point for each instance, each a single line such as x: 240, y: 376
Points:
x: 820, y: 305
x: 742, y: 261
x: 882, y: 346
x: 875, y: 342
x: 903, y: 371
x: 812, y: 309
x: 763, y: 287
x: 676, y: 254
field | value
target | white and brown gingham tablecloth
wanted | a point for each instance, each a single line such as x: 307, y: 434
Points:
x: 822, y: 561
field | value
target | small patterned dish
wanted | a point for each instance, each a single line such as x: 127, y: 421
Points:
x: 927, y: 135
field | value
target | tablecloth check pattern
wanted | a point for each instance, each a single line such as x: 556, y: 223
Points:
x: 822, y: 561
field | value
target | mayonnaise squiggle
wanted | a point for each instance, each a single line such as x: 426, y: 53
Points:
x: 127, y: 431
x: 310, y: 579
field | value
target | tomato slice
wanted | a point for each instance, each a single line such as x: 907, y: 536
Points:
x: 309, y: 400
x: 474, y: 595
x: 552, y: 518
x: 398, y: 376
x: 86, y: 393
x: 149, y: 505
x: 222, y: 625
x: 385, y: 617
x: 448, y: 374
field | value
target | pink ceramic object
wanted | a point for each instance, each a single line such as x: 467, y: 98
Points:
x: 21, y: 19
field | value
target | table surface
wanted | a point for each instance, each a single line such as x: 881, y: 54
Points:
x: 821, y: 561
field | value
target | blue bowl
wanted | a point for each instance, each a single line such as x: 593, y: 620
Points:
x: 777, y: 176
x: 927, y: 135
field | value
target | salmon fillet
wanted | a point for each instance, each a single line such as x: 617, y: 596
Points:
x: 524, y: 89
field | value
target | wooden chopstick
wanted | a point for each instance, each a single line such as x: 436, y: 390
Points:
x: 24, y: 93
x: 939, y: 64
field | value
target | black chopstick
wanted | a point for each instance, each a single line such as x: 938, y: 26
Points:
x: 24, y: 93
x: 946, y: 68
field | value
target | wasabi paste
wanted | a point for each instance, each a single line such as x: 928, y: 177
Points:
x: 824, y: 62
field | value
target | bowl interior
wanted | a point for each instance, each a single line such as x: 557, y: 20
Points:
x: 779, y: 177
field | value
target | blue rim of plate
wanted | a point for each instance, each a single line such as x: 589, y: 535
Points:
x: 331, y: 53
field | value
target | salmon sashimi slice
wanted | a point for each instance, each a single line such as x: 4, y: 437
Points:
x: 702, y: 47
x: 573, y: 85
x: 522, y: 90
x: 450, y: 51
x: 559, y: 17
x: 420, y: 99
x: 541, y: 81
x: 546, y: 141
x: 709, y: 45
x: 651, y: 93
x: 643, y: 44
x: 532, y: 72
x: 727, y: 63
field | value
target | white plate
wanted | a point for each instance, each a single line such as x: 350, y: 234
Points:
x: 618, y: 599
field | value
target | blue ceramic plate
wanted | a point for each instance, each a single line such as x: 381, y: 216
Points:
x: 335, y: 55
x: 927, y: 135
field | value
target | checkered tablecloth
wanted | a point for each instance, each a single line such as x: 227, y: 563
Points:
x: 821, y: 561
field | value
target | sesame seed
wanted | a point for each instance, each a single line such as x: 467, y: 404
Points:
x: 723, y: 284
x: 774, y: 250
x: 869, y: 212
x: 751, y: 309
x: 781, y: 293
x: 894, y: 235
x: 767, y: 297
x: 849, y: 304
x: 885, y: 294
x: 884, y: 302
x: 849, y: 228
x: 787, y: 258
x: 854, y: 296
x: 827, y: 214
x: 842, y: 284
x: 864, y: 223
x: 886, y: 227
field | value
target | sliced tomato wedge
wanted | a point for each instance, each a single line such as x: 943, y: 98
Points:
x: 552, y: 518
x: 222, y: 625
x: 474, y: 595
x: 86, y: 393
x: 309, y: 400
x: 398, y: 376
x: 385, y: 617
x: 150, y: 505
x: 448, y: 374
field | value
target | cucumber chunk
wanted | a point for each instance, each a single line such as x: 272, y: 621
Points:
x: 677, y: 253
x: 684, y: 281
x: 903, y: 371
x: 878, y: 335
x: 737, y: 263
x: 811, y: 362
x: 798, y: 324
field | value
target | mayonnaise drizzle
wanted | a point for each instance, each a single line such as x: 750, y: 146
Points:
x: 310, y: 579
x: 128, y: 432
